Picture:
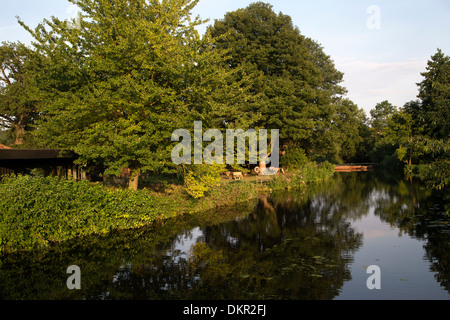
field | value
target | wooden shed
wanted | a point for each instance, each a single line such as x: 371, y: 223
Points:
x: 51, y: 161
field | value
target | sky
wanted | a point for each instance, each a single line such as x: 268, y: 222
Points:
x: 381, y: 46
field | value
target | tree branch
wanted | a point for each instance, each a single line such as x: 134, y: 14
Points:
x: 6, y: 79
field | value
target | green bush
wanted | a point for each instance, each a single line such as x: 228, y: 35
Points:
x: 314, y: 173
x: 435, y: 175
x: 200, y: 179
x: 294, y: 158
x: 306, y: 174
x: 36, y: 211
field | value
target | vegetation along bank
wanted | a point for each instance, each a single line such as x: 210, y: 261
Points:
x: 37, y: 211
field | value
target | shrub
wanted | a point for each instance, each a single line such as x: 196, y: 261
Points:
x: 314, y: 173
x: 200, y: 179
x: 306, y: 174
x: 294, y: 158
x: 36, y: 211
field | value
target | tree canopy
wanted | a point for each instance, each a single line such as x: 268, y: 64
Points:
x: 116, y: 87
x: 418, y: 133
x: 18, y: 100
x: 298, y: 82
x: 434, y: 93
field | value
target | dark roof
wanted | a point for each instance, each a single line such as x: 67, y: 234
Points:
x: 29, y: 154
x: 22, y: 159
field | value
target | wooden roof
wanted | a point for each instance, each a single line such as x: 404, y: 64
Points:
x: 25, y: 154
x: 18, y: 159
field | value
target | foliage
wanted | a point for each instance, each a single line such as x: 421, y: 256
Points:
x: 417, y: 135
x: 200, y: 179
x: 296, y: 80
x: 434, y: 94
x: 294, y: 158
x: 431, y: 123
x: 36, y: 211
x: 116, y: 88
x: 306, y: 174
x: 436, y: 174
x: 18, y: 99
x: 380, y: 115
x: 241, y: 191
x: 345, y: 141
x: 433, y: 165
x: 198, y: 185
x: 315, y: 173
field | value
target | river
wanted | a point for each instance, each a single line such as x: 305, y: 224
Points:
x: 321, y: 243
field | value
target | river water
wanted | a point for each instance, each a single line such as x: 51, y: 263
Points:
x: 314, y: 244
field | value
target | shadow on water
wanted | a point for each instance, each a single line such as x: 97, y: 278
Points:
x: 286, y: 245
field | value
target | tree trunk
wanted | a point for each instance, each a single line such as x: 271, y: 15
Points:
x: 20, y: 131
x: 134, y: 181
x: 411, y: 151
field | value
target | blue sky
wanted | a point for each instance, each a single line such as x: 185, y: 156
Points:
x: 382, y: 63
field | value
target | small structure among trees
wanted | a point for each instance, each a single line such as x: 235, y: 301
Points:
x: 49, y: 162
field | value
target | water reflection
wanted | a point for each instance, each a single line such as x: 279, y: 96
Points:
x: 296, y: 245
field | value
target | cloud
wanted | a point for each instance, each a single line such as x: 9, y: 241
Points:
x: 7, y: 28
x: 370, y: 82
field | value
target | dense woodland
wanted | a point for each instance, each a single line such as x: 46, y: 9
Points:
x: 113, y: 87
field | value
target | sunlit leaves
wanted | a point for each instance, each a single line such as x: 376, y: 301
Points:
x: 295, y: 80
x: 116, y: 87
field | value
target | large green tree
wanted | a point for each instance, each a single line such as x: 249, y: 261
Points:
x: 382, y: 152
x: 399, y: 132
x: 380, y: 116
x: 296, y: 81
x: 431, y: 122
x: 434, y: 93
x: 18, y: 100
x: 348, y: 132
x: 124, y: 78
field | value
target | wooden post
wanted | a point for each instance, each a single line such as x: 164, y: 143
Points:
x: 83, y: 174
x: 75, y: 173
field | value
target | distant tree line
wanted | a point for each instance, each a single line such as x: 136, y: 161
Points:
x: 416, y: 136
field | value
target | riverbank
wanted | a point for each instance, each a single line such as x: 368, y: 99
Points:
x: 38, y: 211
